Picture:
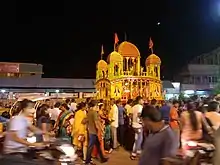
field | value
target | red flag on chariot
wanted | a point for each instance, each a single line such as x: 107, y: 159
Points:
x: 151, y: 44
x: 116, y: 38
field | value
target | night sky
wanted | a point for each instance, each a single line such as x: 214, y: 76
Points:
x: 67, y: 37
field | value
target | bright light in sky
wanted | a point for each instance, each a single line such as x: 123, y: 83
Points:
x: 218, y: 8
x: 215, y: 11
x: 158, y: 23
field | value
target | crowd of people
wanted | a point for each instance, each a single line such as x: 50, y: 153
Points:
x: 151, y: 131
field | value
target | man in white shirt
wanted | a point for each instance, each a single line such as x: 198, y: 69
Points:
x: 137, y: 126
x: 113, y: 117
x: 55, y: 112
x: 73, y: 105
x: 128, y: 107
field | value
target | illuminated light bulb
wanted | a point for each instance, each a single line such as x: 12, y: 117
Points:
x: 3, y: 90
x: 64, y: 164
x: 192, y: 144
x: 32, y: 139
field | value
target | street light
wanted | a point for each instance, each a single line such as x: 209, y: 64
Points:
x: 3, y: 90
x: 57, y: 91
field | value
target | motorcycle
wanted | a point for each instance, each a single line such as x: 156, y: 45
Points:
x: 203, y: 151
x: 58, y: 150
x: 55, y: 151
x: 193, y: 153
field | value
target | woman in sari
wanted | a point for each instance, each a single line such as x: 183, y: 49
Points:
x: 102, y: 118
x: 79, y: 132
x: 64, y: 122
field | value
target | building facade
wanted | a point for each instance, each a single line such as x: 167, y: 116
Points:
x: 201, y: 75
x: 15, y: 70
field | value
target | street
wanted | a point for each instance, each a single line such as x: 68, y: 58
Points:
x: 120, y: 157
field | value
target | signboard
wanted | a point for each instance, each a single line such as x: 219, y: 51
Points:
x: 87, y: 95
x: 76, y: 95
x: 65, y: 95
x: 29, y: 95
x: 9, y: 68
x: 54, y: 94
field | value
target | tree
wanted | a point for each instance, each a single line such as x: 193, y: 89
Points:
x: 181, y: 96
x: 216, y: 89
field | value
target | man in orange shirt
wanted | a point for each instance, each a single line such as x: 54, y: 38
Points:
x: 174, y: 119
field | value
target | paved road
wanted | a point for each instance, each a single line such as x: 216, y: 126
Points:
x: 120, y: 157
